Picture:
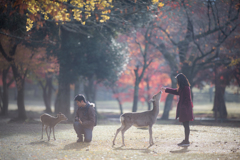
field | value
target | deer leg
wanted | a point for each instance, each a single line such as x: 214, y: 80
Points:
x: 123, y: 131
x: 49, y: 134
x: 54, y: 134
x: 118, y: 130
x: 42, y: 130
x: 150, y: 136
x: 46, y: 130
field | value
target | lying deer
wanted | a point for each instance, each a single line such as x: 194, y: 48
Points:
x: 50, y: 121
x: 140, y: 119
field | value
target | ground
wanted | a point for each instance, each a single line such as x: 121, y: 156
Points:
x: 209, y: 140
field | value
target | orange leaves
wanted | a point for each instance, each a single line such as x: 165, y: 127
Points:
x: 97, y: 18
x: 238, y: 6
x: 141, y: 52
x: 39, y: 24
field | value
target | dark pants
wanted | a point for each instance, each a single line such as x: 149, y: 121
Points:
x: 186, y: 130
x: 80, y: 130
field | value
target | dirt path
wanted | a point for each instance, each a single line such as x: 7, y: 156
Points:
x: 22, y: 141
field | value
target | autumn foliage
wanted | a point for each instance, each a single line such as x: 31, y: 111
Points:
x: 155, y: 76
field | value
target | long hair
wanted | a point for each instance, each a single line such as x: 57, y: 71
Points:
x: 182, y: 81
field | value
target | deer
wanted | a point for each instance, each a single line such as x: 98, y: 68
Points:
x: 50, y: 121
x: 140, y: 119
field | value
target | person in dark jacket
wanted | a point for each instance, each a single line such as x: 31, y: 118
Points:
x: 84, y: 119
x: 184, y: 106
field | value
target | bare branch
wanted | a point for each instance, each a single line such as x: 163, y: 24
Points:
x: 168, y: 35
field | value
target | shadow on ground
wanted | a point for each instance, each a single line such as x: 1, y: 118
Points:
x: 76, y: 146
x: 143, y: 150
x: 41, y: 143
x: 183, y: 150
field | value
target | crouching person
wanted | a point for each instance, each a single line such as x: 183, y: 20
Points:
x: 84, y: 119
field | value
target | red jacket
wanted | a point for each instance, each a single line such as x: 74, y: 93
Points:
x: 184, y: 106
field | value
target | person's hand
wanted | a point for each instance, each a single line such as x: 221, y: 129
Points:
x: 163, y: 88
x: 80, y: 121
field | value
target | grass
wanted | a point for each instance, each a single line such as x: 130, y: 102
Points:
x: 200, y: 109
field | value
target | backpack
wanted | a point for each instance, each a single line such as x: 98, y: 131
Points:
x: 93, y: 105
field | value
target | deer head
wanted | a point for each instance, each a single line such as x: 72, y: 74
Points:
x: 156, y: 97
x: 62, y: 116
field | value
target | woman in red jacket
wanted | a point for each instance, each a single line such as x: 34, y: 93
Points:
x: 184, y: 106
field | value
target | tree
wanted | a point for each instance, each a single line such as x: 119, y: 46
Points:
x: 143, y: 55
x: 85, y: 27
x: 18, y: 49
x: 22, y: 60
x: 36, y: 14
x: 93, y: 58
x: 7, y: 80
x: 197, y: 45
x: 156, y: 76
x: 139, y: 68
x: 45, y: 75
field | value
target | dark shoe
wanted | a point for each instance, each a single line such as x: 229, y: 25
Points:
x: 79, y: 140
x: 184, y: 143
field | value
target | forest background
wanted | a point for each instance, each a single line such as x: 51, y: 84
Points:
x: 123, y: 51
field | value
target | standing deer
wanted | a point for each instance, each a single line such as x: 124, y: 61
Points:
x: 140, y: 119
x: 50, y: 121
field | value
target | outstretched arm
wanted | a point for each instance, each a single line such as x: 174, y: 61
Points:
x: 171, y: 90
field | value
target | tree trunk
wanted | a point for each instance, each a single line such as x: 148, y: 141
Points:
x: 62, y: 103
x: 148, y: 95
x: 49, y: 86
x: 219, y: 106
x: 1, y: 99
x: 135, y: 95
x: 20, y: 82
x: 118, y: 99
x: 5, y: 93
x: 47, y: 100
x: 120, y: 105
x: 47, y: 92
x: 169, y: 99
x: 90, y: 89
x: 149, y: 105
x: 20, y: 102
x: 76, y: 92
x: 136, y: 89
